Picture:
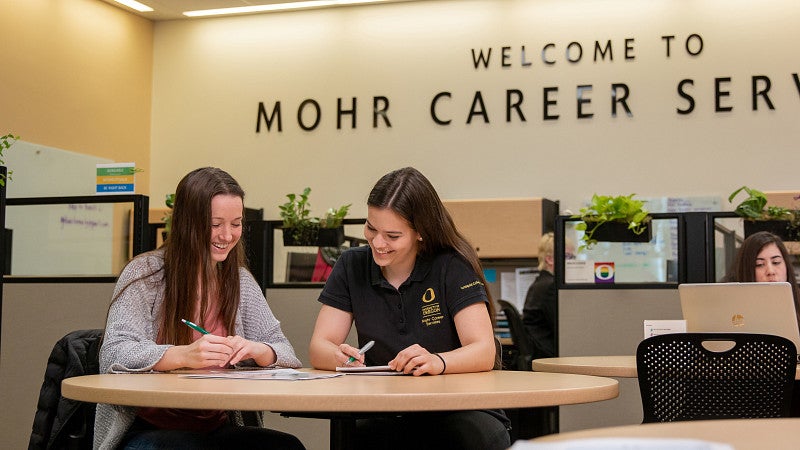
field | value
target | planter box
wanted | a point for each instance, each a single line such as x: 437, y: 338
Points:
x: 314, y: 237
x: 618, y: 232
x: 330, y: 237
x: 781, y: 228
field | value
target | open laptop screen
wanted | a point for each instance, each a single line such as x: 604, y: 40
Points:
x: 766, y: 308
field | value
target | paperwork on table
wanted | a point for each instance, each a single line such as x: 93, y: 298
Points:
x: 258, y: 374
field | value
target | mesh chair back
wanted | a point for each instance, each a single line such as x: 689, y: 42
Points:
x: 518, y: 335
x: 681, y: 379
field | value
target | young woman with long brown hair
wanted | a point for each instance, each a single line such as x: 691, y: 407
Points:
x: 198, y: 275
x: 418, y: 291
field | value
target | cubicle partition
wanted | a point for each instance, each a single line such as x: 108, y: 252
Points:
x: 65, y: 257
x: 275, y: 264
x: 607, y: 292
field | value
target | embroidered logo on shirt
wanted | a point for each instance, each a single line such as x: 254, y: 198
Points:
x: 474, y: 283
x: 431, y: 312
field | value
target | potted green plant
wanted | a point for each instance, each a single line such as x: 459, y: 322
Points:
x: 614, y: 219
x: 759, y: 216
x: 299, y: 228
x: 5, y: 143
x: 330, y: 226
x: 170, y: 202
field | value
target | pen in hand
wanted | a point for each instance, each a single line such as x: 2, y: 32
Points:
x: 197, y: 328
x: 361, y: 351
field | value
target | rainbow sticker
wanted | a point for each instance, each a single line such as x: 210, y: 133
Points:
x: 604, y: 272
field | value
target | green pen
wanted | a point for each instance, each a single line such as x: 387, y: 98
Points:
x: 197, y: 328
x: 361, y: 351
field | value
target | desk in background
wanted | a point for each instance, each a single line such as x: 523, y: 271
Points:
x: 601, y: 366
x: 741, y: 434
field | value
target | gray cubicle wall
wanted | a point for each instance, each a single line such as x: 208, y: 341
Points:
x: 596, y: 322
x: 297, y: 309
x: 35, y: 316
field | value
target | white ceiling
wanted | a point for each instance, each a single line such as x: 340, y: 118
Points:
x: 173, y: 9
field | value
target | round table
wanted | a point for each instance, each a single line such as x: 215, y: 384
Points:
x: 351, y: 393
x: 342, y: 398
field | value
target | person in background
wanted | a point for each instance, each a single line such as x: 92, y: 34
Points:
x: 540, y: 313
x: 418, y: 291
x: 198, y: 274
x: 763, y: 257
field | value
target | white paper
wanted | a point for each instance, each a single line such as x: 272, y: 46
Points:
x: 363, y: 369
x: 258, y: 374
x: 525, y: 276
x: 659, y: 327
x: 508, y: 286
x: 578, y: 271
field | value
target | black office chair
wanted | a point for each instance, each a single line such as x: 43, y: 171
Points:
x: 526, y: 423
x: 685, y: 376
x: 61, y: 423
x: 518, y: 335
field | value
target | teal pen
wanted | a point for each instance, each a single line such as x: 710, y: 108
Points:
x: 197, y: 328
x: 361, y: 351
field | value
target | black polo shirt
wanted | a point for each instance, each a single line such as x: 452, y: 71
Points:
x: 420, y: 312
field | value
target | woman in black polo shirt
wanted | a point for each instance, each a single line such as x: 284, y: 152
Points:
x: 418, y: 291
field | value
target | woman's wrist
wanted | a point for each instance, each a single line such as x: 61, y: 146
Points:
x: 268, y: 357
x: 444, y: 364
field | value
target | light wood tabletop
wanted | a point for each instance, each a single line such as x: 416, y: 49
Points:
x: 741, y: 434
x: 348, y: 393
x: 342, y: 399
x: 619, y: 366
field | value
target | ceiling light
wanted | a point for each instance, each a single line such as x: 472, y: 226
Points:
x: 135, y: 5
x: 276, y: 7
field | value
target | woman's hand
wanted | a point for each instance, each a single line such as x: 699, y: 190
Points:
x: 418, y: 361
x: 326, y: 350
x: 208, y: 351
x: 343, y: 354
x: 242, y: 349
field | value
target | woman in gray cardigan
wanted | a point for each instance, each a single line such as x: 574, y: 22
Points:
x: 198, y: 275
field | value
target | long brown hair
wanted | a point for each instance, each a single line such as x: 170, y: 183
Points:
x: 408, y: 193
x: 188, y: 270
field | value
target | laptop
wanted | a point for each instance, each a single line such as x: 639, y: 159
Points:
x: 766, y: 308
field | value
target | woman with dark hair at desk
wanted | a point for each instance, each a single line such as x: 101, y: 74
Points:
x: 418, y: 291
x: 198, y: 275
x: 763, y: 257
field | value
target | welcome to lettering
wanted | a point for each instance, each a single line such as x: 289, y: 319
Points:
x: 581, y: 100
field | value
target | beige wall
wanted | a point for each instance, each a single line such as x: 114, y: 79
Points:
x: 77, y: 75
x: 86, y: 76
x: 209, y: 76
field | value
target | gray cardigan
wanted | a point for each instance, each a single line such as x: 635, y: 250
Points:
x: 129, y: 342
